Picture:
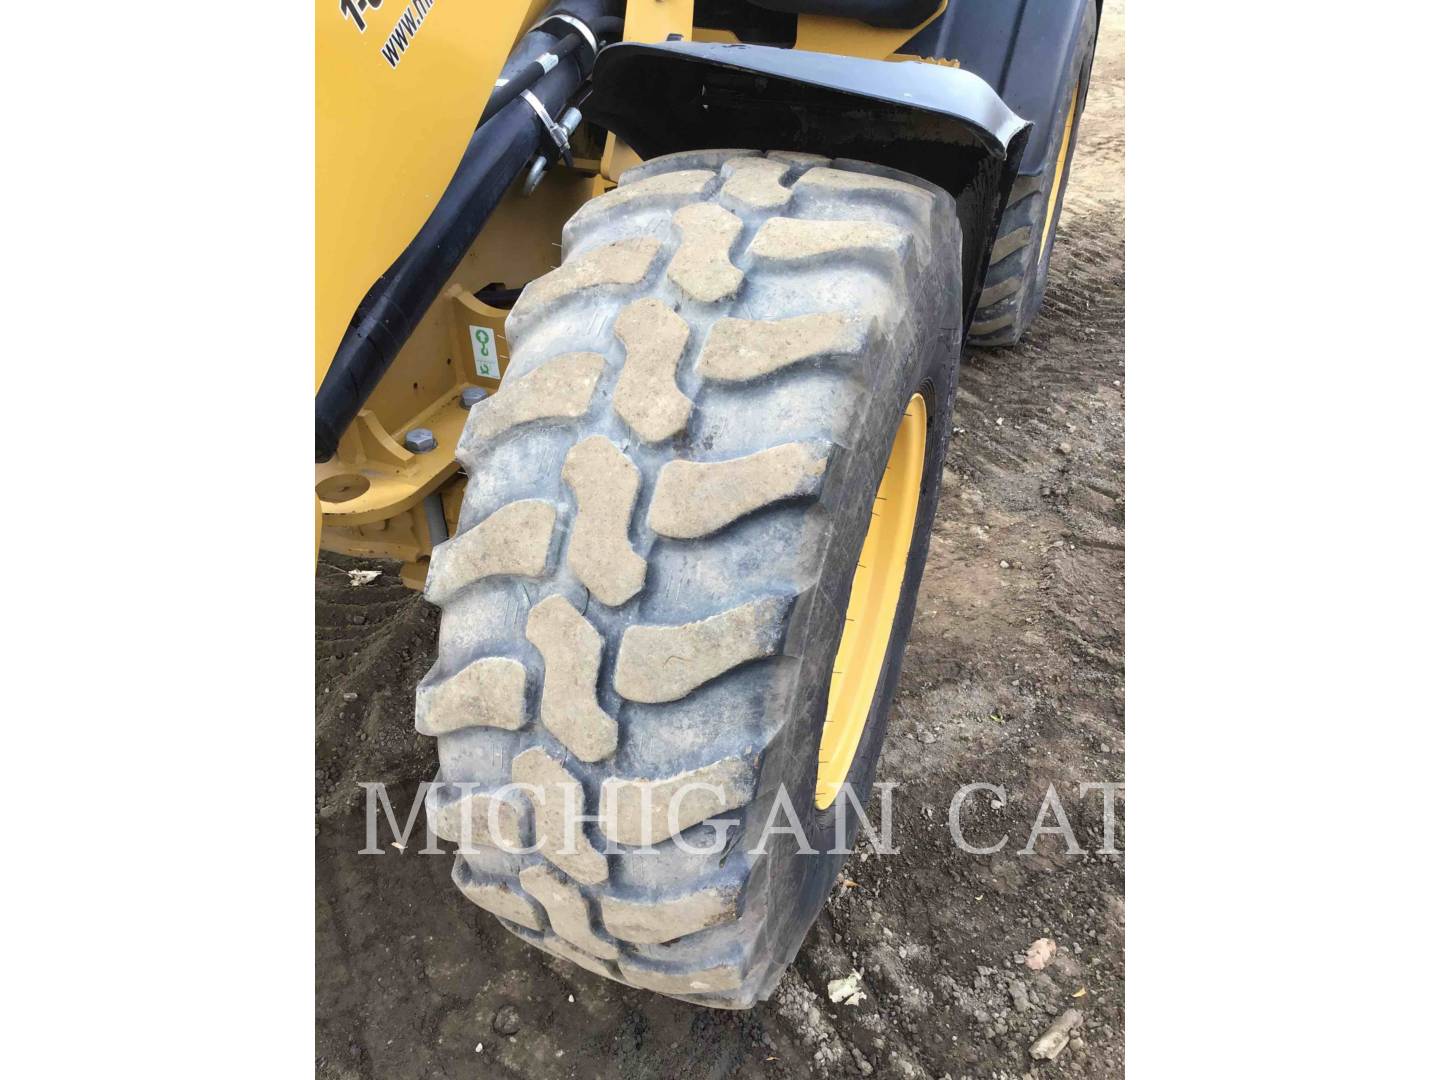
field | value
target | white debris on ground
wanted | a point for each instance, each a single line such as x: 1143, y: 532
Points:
x: 362, y: 577
x: 846, y: 991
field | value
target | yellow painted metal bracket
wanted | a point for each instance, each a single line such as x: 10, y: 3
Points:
x: 656, y: 20
x: 372, y: 477
x: 850, y: 37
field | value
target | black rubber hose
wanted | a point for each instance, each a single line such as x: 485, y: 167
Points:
x: 606, y: 26
x: 393, y: 307
x: 395, y: 304
x: 529, y: 75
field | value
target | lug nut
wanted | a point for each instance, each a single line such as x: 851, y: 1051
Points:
x: 472, y: 396
x: 420, y: 440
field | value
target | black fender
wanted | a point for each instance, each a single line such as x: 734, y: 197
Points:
x: 1026, y: 51
x: 944, y: 125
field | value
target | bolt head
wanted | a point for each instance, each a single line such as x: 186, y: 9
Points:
x: 472, y: 396
x: 420, y: 440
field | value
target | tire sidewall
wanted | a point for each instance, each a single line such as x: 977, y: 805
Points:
x: 1079, y: 77
x: 935, y: 380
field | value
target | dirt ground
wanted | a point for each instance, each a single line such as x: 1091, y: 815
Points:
x: 1014, y: 676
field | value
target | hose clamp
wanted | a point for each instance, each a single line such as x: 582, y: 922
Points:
x: 558, y: 135
x: 577, y: 25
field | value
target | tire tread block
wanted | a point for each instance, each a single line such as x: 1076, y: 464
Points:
x: 571, y: 648
x: 568, y: 910
x: 647, y: 397
x: 489, y: 692
x: 514, y: 540
x: 557, y: 792
x: 664, y: 663
x: 606, y: 484
x: 696, y: 498
x: 641, y: 812
x: 701, y: 267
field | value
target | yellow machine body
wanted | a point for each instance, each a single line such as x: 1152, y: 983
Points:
x: 388, y: 138
x: 396, y: 104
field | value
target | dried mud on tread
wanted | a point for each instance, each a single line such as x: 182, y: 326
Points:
x: 1014, y: 675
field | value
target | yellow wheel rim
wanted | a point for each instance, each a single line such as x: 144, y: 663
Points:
x: 1060, y: 163
x: 874, y: 596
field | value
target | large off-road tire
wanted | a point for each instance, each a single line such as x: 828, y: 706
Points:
x: 666, y: 504
x: 1020, y: 258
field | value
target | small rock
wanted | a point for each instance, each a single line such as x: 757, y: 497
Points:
x: 1056, y: 1036
x: 1040, y: 953
x: 1018, y: 996
x: 349, y: 695
x: 1064, y: 448
x: 1004, y: 565
x: 507, y: 1020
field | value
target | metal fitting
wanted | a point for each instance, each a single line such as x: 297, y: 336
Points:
x: 420, y: 440
x: 570, y: 120
x: 535, y: 175
x: 560, y: 132
x: 472, y: 396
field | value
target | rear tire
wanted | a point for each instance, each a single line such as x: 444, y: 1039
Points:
x: 665, y: 507
x: 1020, y: 259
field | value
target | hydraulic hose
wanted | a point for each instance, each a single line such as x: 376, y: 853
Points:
x: 393, y: 307
x: 517, y: 82
x: 387, y: 316
x: 529, y: 75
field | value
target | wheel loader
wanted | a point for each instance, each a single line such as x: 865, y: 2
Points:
x: 637, y: 333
